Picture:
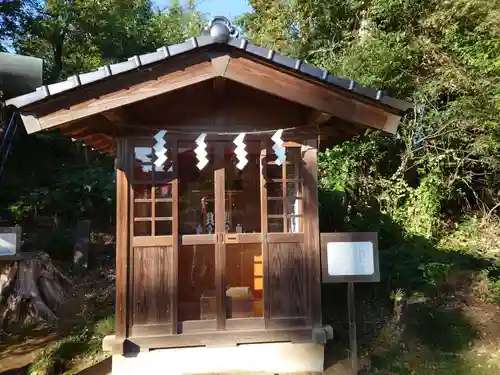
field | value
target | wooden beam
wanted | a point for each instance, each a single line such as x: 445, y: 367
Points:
x: 31, y: 123
x: 117, y: 116
x: 89, y: 126
x: 317, y: 118
x: 220, y: 63
x: 122, y: 93
x: 96, y: 142
x: 112, y: 94
x: 309, y: 94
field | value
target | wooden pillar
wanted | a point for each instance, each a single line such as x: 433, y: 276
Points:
x: 311, y: 229
x: 220, y: 229
x: 264, y: 229
x: 175, y: 237
x: 122, y: 238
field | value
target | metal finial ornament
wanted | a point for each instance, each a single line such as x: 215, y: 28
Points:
x: 221, y: 29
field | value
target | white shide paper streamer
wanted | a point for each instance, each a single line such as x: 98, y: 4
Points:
x: 240, y: 151
x: 278, y: 148
x: 201, y: 151
x: 160, y: 150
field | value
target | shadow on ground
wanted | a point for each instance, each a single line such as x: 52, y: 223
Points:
x: 16, y: 371
x: 24, y: 340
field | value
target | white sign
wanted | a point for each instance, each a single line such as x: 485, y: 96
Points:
x: 350, y: 258
x: 8, y: 243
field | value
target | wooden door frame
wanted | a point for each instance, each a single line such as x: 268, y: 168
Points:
x: 310, y: 233
x: 146, y: 241
x: 220, y: 247
x: 270, y: 239
x: 224, y: 239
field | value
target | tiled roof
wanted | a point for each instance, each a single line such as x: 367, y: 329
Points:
x: 166, y: 52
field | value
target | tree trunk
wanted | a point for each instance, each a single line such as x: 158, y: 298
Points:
x: 31, y: 288
x: 57, y: 49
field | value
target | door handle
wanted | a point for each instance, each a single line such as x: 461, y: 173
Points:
x: 232, y: 238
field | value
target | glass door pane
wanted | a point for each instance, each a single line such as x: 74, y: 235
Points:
x: 284, y: 192
x: 242, y: 190
x: 244, y: 269
x: 197, y: 308
x: 151, y: 193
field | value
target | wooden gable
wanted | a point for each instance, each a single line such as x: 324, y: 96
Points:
x: 208, y: 85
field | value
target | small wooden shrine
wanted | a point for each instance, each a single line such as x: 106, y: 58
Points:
x: 215, y: 141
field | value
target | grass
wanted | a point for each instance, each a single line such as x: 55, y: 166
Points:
x: 436, y: 310
x: 419, y: 360
x: 449, y: 290
x: 82, y: 345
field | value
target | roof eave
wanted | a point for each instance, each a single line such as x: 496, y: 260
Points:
x: 135, y: 62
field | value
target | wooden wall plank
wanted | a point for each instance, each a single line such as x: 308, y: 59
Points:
x: 311, y: 223
x: 152, y: 287
x: 122, y: 237
x: 218, y: 103
x: 287, y: 280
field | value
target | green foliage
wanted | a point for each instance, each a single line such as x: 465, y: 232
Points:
x: 382, y: 60
x: 77, y: 36
x: 432, y: 191
x: 12, y: 13
x: 69, y: 183
x: 63, y: 186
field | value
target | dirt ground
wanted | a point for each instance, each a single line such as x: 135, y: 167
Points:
x: 91, y: 294
x: 94, y: 292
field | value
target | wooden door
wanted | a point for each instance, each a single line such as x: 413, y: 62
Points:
x: 188, y: 274
x: 199, y: 226
x: 219, y: 278
x: 241, y: 255
x: 153, y: 239
x: 286, y: 282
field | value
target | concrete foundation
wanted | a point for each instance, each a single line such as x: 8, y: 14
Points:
x: 259, y: 358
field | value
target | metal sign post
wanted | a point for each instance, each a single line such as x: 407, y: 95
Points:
x: 353, y: 340
x: 350, y: 258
